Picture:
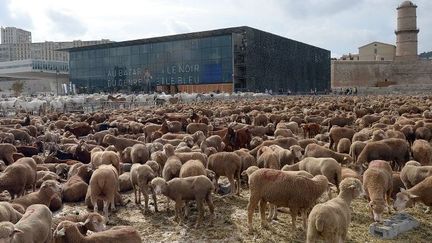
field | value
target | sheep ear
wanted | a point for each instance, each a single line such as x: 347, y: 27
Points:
x: 413, y: 196
x: 83, y: 223
x: 17, y: 231
x: 402, y: 189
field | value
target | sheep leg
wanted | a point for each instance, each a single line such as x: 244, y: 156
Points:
x: 146, y: 199
x: 105, y: 209
x: 262, y: 209
x: 209, y: 202
x: 232, y: 184
x: 113, y: 208
x: 95, y: 206
x: 388, y: 197
x: 139, y: 195
x: 216, y: 179
x: 293, y: 218
x: 200, y: 207
x: 155, y: 201
x: 167, y: 204
x: 253, y: 202
x: 136, y: 196
x: 304, y: 217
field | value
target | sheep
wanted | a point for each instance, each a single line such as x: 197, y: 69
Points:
x: 17, y: 177
x: 184, y: 157
x: 139, y: 153
x: 343, y: 146
x: 6, y: 152
x: 283, y: 132
x: 197, y: 188
x: 47, y: 192
x: 214, y: 141
x: 171, y: 168
x: 317, y: 151
x: 8, y: 213
x: 125, y: 182
x: 119, y: 143
x: 46, y: 175
x: 226, y: 164
x: 75, y: 188
x: 118, y: 200
x: 328, y: 167
x: 141, y: 176
x: 347, y: 172
x: 192, y: 168
x: 337, y: 133
x: 283, y: 189
x: 397, y: 184
x: 419, y: 193
x: 413, y: 173
x: 356, y: 148
x: 69, y: 231
x: 285, y: 143
x: 267, y: 158
x: 286, y: 156
x: 330, y: 220
x: 192, y: 128
x: 34, y: 226
x: 378, y: 186
x: 246, y: 158
x: 104, y: 185
x: 105, y: 157
x: 90, y: 221
x: 422, y: 152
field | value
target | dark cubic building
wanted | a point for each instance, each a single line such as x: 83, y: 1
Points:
x: 233, y: 59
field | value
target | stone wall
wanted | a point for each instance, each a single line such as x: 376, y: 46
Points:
x: 370, y: 74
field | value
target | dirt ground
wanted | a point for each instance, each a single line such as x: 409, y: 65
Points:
x: 230, y: 224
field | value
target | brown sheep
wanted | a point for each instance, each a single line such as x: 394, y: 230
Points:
x: 378, y: 186
x: 139, y: 153
x: 344, y: 146
x: 413, y: 173
x: 104, y: 185
x: 422, y: 151
x: 419, y: 193
x: 141, y: 176
x: 6, y: 152
x: 197, y: 188
x: 75, y: 188
x: 317, y: 151
x: 267, y: 158
x: 337, y: 133
x: 227, y: 164
x: 283, y: 189
x: 46, y: 193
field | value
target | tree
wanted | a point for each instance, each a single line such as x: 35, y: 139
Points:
x: 18, y: 87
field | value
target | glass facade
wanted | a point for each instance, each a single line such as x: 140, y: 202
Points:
x: 206, y: 60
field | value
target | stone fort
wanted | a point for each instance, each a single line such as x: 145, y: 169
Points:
x: 371, y: 71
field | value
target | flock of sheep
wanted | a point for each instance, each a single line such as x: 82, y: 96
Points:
x: 312, y: 155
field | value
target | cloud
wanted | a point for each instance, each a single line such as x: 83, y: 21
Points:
x: 11, y: 17
x: 177, y: 26
x: 66, y: 24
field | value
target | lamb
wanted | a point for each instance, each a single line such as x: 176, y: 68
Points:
x: 328, y: 167
x: 214, y: 141
x: 75, y: 188
x: 197, y: 188
x: 421, y: 192
x: 141, y: 176
x: 104, y: 185
x: 154, y: 166
x: 8, y: 213
x: 226, y: 164
x: 69, y: 231
x: 343, y: 146
x: 267, y: 158
x: 6, y: 152
x: 287, y: 157
x: 139, y: 153
x: 34, y: 226
x: 283, y: 189
x: 48, y: 191
x: 378, y: 185
x: 317, y: 151
x: 422, y: 152
x: 413, y: 173
x: 330, y: 220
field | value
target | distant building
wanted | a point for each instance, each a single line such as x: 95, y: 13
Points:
x: 12, y: 35
x: 232, y: 59
x: 383, y: 65
x: 377, y: 51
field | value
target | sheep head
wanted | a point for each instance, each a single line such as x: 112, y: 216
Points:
x: 404, y: 199
x: 7, y: 231
x: 159, y: 185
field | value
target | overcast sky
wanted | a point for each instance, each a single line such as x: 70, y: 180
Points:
x: 340, y: 26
